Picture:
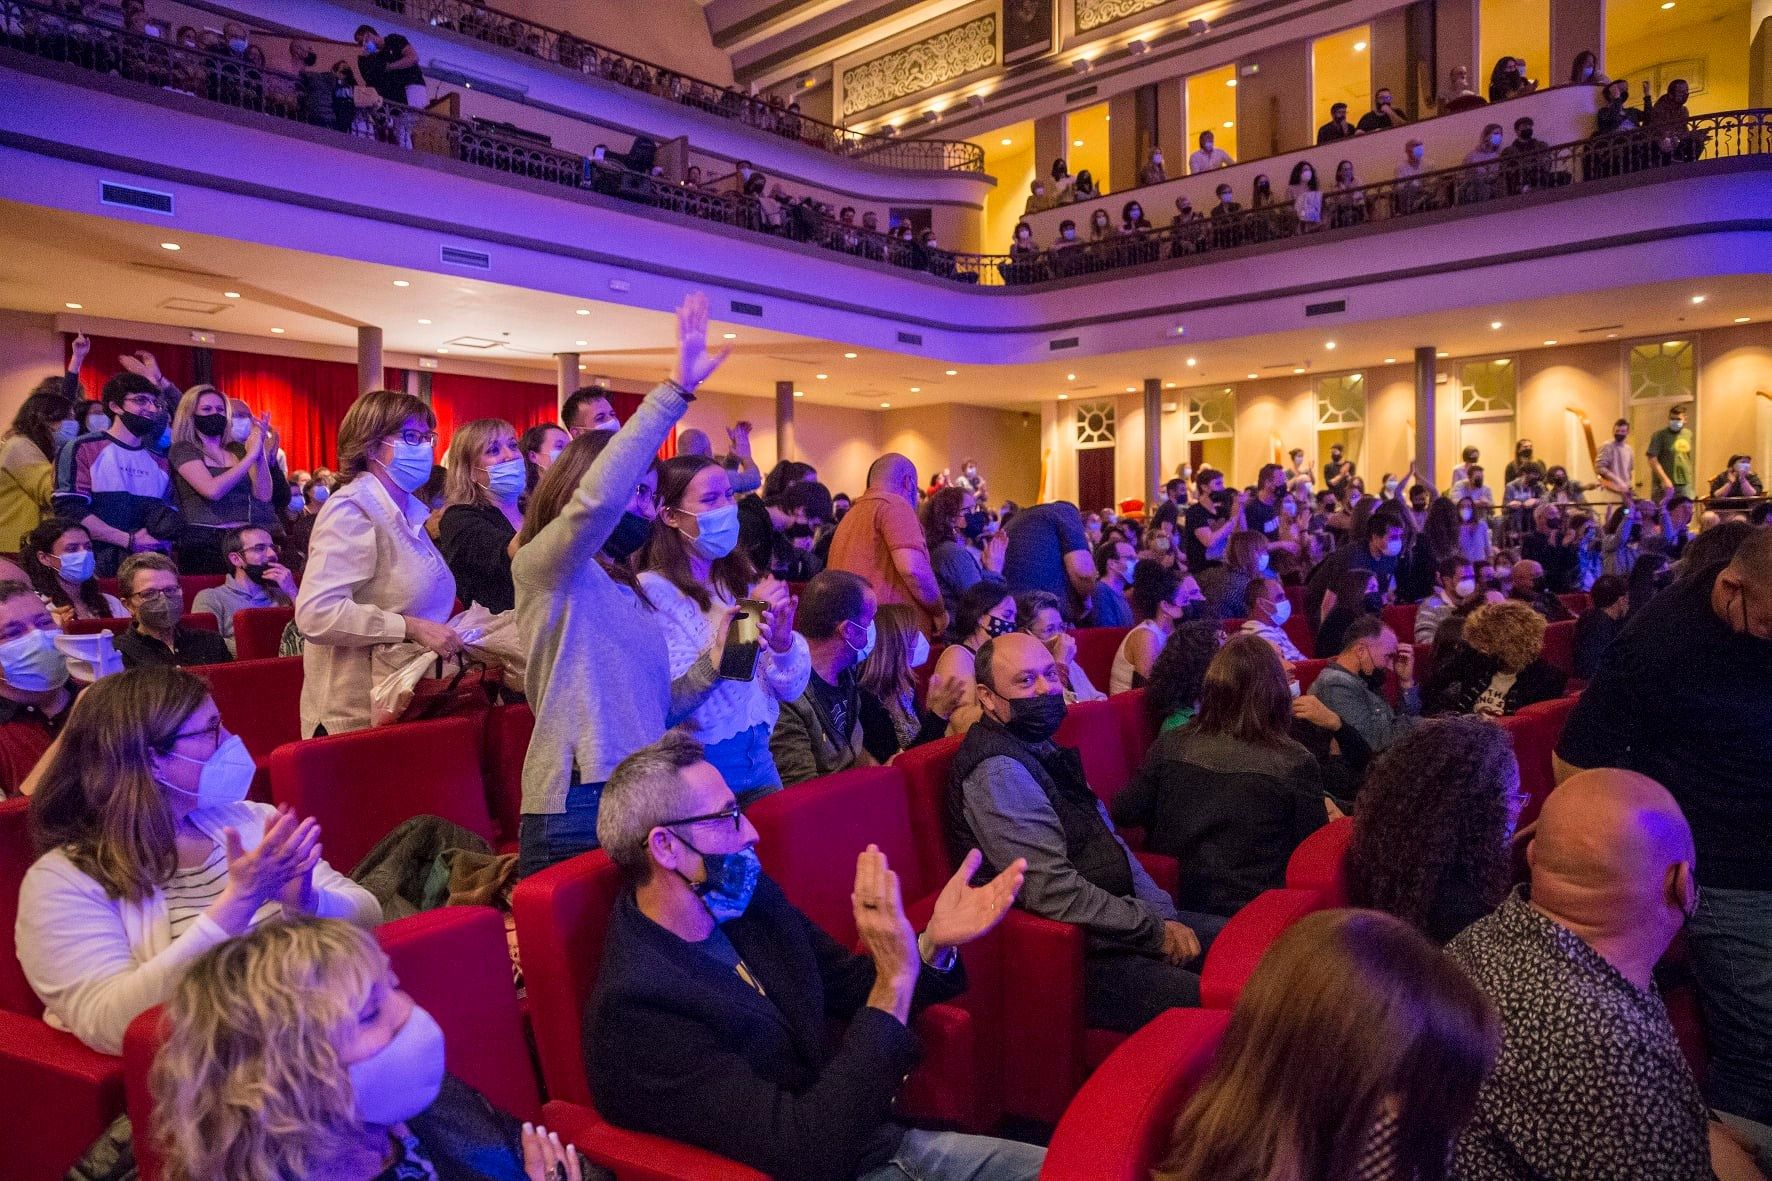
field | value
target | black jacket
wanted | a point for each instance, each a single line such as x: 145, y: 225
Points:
x: 1594, y: 633
x: 189, y: 647
x: 1456, y: 686
x: 475, y: 540
x: 678, y: 1045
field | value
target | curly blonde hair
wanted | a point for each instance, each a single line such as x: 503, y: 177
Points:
x: 249, y: 1085
x: 1510, y: 632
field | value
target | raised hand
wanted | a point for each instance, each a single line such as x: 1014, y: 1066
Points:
x: 694, y: 363
x: 142, y: 363
x: 963, y: 912
x: 946, y: 694
x: 81, y: 347
x: 885, y: 933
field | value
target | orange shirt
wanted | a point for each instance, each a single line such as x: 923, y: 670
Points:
x: 877, y: 523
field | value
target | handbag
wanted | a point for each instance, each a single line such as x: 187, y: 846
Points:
x: 475, y: 688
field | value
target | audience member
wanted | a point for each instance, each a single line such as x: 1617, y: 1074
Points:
x: 127, y: 507
x: 673, y: 1047
x: 1681, y: 696
x: 947, y: 517
x: 541, y: 446
x: 1172, y: 697
x: 1737, y: 479
x: 255, y: 579
x: 156, y: 604
x: 1261, y: 512
x: 1458, y: 86
x: 695, y: 577
x: 1268, y: 609
x: 1615, y: 464
x: 1152, y: 173
x: 57, y: 555
x: 1225, y: 586
x: 1670, y: 457
x: 1508, y: 80
x: 1209, y: 522
x: 583, y: 614
x: 1037, y: 613
x: 1455, y: 582
x: 478, y: 531
x: 1600, y: 624
x: 1355, y: 1051
x: 985, y: 611
x: 43, y: 424
x: 777, y: 530
x: 1432, y: 836
x: 1015, y: 795
x: 889, y: 677
x: 588, y: 409
x: 1591, y: 1081
x: 1531, y: 587
x: 1383, y: 116
x: 1383, y: 542
x: 1356, y: 595
x: 880, y: 540
x: 740, y: 467
x: 821, y: 731
x: 1047, y: 551
x: 1116, y: 560
x: 373, y: 575
x: 1338, y: 128
x: 1586, y: 70
x: 1353, y: 682
x: 1229, y: 795
x: 1209, y: 156
x: 1499, y: 667
x: 1161, y: 597
x: 35, y: 696
x: 153, y: 854
x: 223, y: 483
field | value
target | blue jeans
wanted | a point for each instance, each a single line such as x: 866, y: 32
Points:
x: 1731, y: 944
x: 547, y: 838
x: 954, y: 1156
x: 745, y: 763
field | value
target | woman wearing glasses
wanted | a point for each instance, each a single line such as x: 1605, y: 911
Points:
x: 155, y: 854
x: 374, y: 576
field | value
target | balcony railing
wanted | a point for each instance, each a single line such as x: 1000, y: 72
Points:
x: 523, y: 36
x: 318, y: 99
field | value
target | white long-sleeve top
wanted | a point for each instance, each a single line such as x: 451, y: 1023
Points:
x: 369, y: 563
x: 734, y: 706
x: 98, y: 962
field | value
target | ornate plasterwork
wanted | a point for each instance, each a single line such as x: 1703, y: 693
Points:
x: 1093, y: 14
x: 920, y: 66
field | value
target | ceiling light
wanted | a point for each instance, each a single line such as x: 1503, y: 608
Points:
x: 1393, y: 360
x: 1495, y: 323
x: 1359, y: 47
x: 1548, y: 343
x: 446, y: 350
x: 579, y: 343
x: 73, y: 307
x: 1504, y: 360
x: 885, y: 405
x: 1698, y: 299
x: 1330, y: 345
x: 1070, y: 377
x: 822, y: 376
x: 169, y: 246
x: 424, y: 321
x: 799, y: 393
x: 1076, y: 143
x: 1132, y: 389
x: 231, y: 294
x: 1168, y: 385
x: 849, y: 356
x: 1254, y: 377
x: 1298, y: 369
x: 729, y: 336
x: 582, y: 311
x: 1229, y: 123
x: 1007, y: 142
x: 1192, y: 361
x: 952, y: 372
x: 1064, y: 397
x: 1442, y: 355
x: 1741, y: 319
x: 916, y: 389
x: 1231, y: 82
x: 1667, y: 4
x: 401, y: 283
x: 278, y: 331
x: 1612, y: 336
x: 1674, y: 344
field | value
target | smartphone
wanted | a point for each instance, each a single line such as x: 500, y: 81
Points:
x: 739, y: 661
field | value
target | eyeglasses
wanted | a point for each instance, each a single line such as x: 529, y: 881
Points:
x: 734, y: 814
x: 415, y: 438
x: 646, y: 498
x: 137, y: 401
x: 213, y: 731
x: 171, y: 593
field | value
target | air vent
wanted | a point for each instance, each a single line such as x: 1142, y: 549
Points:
x: 1063, y: 342
x: 1077, y: 96
x: 1325, y: 309
x: 457, y: 256
x: 746, y: 309
x: 201, y: 307
x: 473, y: 342
x: 130, y: 197
x: 910, y: 338
x: 1601, y: 328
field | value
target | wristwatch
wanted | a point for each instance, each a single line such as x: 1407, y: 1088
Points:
x: 941, y: 961
x: 688, y: 395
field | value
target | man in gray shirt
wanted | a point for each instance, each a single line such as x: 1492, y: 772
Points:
x: 1616, y: 464
x: 1352, y: 684
x: 255, y: 579
x: 1014, y: 793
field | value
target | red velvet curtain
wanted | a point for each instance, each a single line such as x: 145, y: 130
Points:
x: 177, y: 361
x: 306, y: 399
x: 458, y: 399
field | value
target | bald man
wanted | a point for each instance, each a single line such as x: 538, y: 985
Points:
x: 1529, y: 588
x: 1014, y: 793
x: 742, y: 471
x: 1684, y: 695
x: 880, y: 539
x: 1591, y: 1082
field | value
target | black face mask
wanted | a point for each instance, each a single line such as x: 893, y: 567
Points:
x: 794, y: 532
x: 1036, y: 719
x: 1193, y: 611
x: 211, y: 426
x: 310, y: 59
x: 140, y: 425
x: 255, y: 571
x: 975, y: 524
x: 630, y: 534
x: 1375, y: 680
x: 1374, y: 604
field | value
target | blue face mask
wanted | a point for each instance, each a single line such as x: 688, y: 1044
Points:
x: 506, y: 479
x: 867, y: 648
x: 66, y: 431
x: 164, y: 442
x: 410, y: 466
x: 731, y: 880
x: 77, y: 566
x: 716, y: 532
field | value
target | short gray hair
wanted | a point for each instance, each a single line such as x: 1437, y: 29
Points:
x: 643, y: 792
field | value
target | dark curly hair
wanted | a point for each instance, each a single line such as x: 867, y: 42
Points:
x: 1436, y: 815
x: 1152, y: 586
x: 1179, y: 673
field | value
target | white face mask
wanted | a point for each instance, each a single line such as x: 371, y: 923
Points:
x: 226, y: 776
x: 239, y: 429
x: 919, y: 650
x: 403, y: 1078
x: 1464, y: 514
x: 1464, y: 587
x: 31, y: 663
x: 1282, y: 611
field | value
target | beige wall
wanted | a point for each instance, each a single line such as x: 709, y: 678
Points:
x: 30, y: 350
x: 1389, y: 441
x: 1271, y: 114
x: 1735, y: 370
x: 1005, y: 443
x: 838, y: 441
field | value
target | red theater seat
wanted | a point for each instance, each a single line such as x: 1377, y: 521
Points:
x: 260, y: 700
x: 508, y: 728
x: 1137, y: 731
x: 926, y: 769
x: 59, y: 1095
x: 202, y: 621
x: 1095, y: 652
x: 1306, y: 671
x: 1246, y: 938
x: 1317, y: 863
x: 1400, y: 618
x: 1094, y: 728
x: 1535, y: 732
x: 1118, y: 1126
x: 1559, y: 646
x: 361, y: 785
x: 1576, y: 601
x: 455, y: 965
x: 258, y: 631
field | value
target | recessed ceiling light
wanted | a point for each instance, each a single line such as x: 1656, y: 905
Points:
x: 849, y: 356
x: 1698, y: 299
x: 1495, y: 323
x: 1741, y: 319
x: 1076, y: 143
x: 1359, y: 47
x: 1132, y: 389
x: 582, y: 311
x: 1393, y: 360
x: 1007, y: 142
x: 1231, y: 82
x: 822, y: 376
x: 231, y: 294
x: 1192, y: 361
x: 579, y: 343
x: 422, y: 320
x: 799, y: 393
x: 582, y: 368
x: 1612, y: 336
x: 1230, y: 123
x: 1168, y: 385
x: 1666, y: 4
x: 1330, y: 345
x: 401, y: 283
x: 73, y: 306
x: 1064, y: 397
x: 1442, y: 354
x: 1549, y: 343
x: 1254, y: 377
x: 916, y: 389
x: 170, y: 246
x: 446, y: 350
x: 952, y: 372
x: 1298, y: 369
x: 1070, y: 377
x: 885, y: 405
x: 729, y: 336
x: 278, y: 331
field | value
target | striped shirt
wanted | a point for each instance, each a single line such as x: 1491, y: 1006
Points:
x: 193, y: 889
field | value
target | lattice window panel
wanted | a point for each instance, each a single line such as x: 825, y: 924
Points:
x: 1341, y: 401
x: 1095, y: 425
x: 1212, y: 414
x: 1488, y: 389
x: 1666, y: 371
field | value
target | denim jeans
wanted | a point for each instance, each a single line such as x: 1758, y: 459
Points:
x: 1125, y: 991
x: 745, y: 763
x: 954, y: 1156
x: 547, y: 838
x: 1730, y: 939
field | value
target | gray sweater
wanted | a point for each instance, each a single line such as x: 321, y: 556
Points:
x: 599, y: 675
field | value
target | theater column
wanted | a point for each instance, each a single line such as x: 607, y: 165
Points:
x: 369, y: 370
x: 565, y: 378
x: 1153, y: 438
x: 785, y: 445
x: 1426, y: 370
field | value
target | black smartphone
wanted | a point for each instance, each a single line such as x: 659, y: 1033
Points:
x: 739, y: 661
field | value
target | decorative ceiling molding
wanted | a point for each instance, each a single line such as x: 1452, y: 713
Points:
x: 921, y: 66
x: 1093, y: 14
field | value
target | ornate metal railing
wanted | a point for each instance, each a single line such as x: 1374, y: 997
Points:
x: 320, y: 98
x: 776, y: 118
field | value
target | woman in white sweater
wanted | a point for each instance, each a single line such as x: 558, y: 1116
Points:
x: 374, y: 576
x: 153, y: 854
x: 695, y: 574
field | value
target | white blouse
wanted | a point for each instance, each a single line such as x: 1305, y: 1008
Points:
x: 734, y: 706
